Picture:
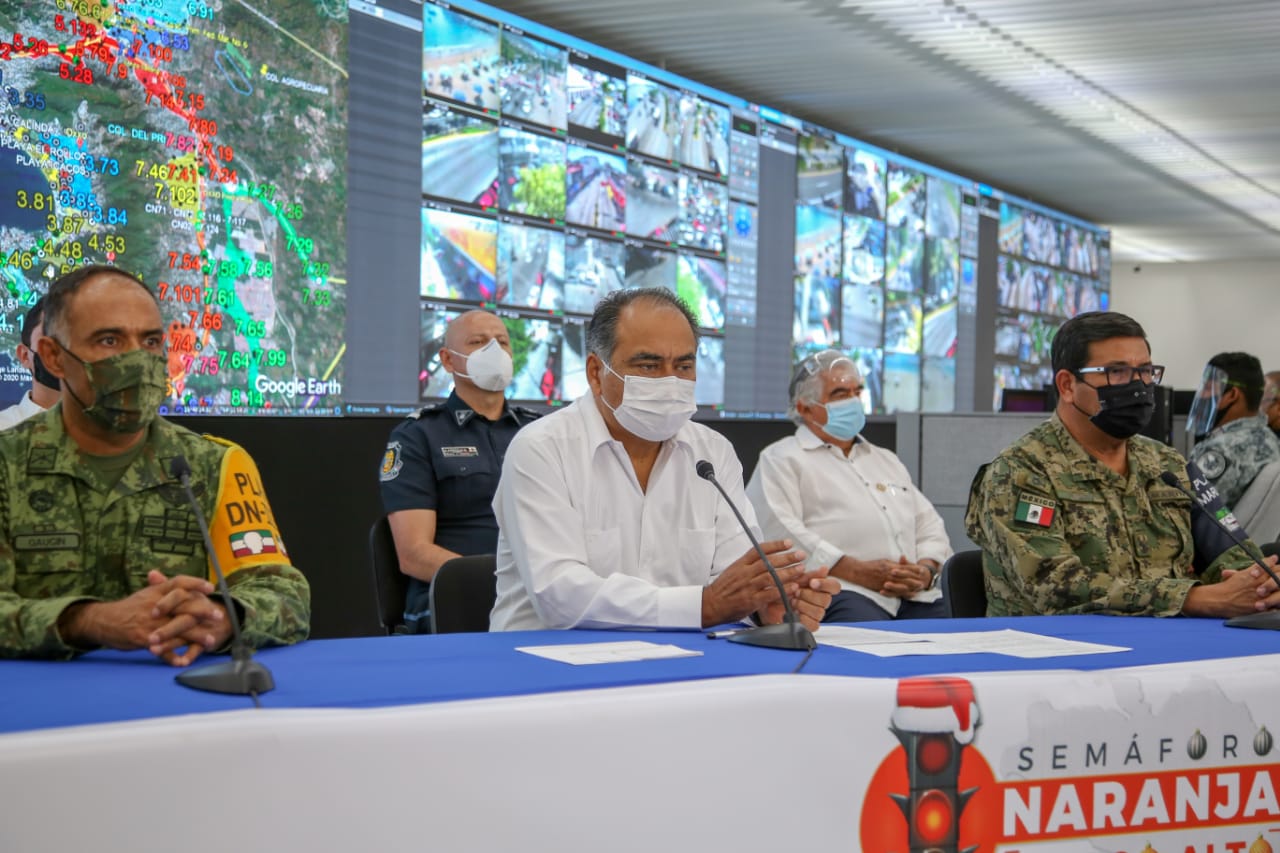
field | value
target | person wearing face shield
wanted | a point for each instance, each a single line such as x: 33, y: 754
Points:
x: 603, y: 519
x: 98, y: 546
x: 1074, y: 516
x: 44, y: 385
x: 441, y: 465
x: 1270, y: 405
x: 850, y: 504
x: 1233, y: 442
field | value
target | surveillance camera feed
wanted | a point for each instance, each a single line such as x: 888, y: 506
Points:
x: 555, y: 173
x: 1047, y: 272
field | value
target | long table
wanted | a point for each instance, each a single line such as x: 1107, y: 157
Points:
x: 461, y: 742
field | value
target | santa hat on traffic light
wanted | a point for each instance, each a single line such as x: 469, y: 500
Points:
x: 936, y: 704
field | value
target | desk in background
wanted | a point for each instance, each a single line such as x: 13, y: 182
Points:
x: 460, y: 743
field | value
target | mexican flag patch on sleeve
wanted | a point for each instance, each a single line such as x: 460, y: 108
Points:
x: 1034, y: 510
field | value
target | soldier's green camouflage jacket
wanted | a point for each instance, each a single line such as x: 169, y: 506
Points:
x: 64, y: 537
x: 1062, y: 533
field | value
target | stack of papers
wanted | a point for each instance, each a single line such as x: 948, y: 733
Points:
x: 620, y: 652
x: 1018, y: 644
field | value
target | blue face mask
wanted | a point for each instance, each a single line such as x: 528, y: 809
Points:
x: 845, y: 419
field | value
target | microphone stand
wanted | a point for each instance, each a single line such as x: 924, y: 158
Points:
x: 789, y: 634
x: 242, y: 675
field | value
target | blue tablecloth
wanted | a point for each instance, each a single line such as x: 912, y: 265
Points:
x: 372, y: 672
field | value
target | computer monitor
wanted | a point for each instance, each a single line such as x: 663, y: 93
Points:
x: 1024, y: 400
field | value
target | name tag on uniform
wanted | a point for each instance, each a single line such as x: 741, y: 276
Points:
x: 459, y: 451
x: 46, y: 541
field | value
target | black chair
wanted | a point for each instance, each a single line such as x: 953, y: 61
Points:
x: 390, y: 585
x: 462, y: 594
x: 1270, y: 549
x: 962, y: 574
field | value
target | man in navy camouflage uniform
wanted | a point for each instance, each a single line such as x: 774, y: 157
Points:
x: 98, y: 545
x: 1074, y: 517
x: 1239, y: 444
x: 442, y: 464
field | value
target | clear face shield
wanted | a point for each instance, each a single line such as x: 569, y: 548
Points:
x: 1204, y: 408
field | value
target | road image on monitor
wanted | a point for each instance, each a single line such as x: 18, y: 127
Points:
x: 459, y: 155
x: 535, y: 356
x: 652, y: 117
x: 596, y: 192
x: 906, y: 198
x: 817, y: 277
x: 702, y: 135
x: 709, y: 390
x: 902, y: 322
x: 530, y: 266
x: 573, y: 359
x: 704, y: 213
x: 865, y: 192
x: 701, y: 283
x: 433, y: 380
x: 531, y: 173
x: 819, y: 171
x: 653, y: 201
x: 459, y: 57
x: 594, y: 268
x: 459, y: 256
x: 870, y: 364
x: 901, y: 382
x: 1010, y: 229
x: 864, y: 250
x: 862, y: 324
x: 597, y: 102
x: 938, y: 385
x: 943, y: 219
x: 532, y: 78
x: 904, y: 259
x: 650, y: 267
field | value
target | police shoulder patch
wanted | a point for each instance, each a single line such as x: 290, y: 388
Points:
x: 391, y: 462
x: 1212, y: 464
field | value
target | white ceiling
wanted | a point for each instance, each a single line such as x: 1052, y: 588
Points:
x: 1157, y: 118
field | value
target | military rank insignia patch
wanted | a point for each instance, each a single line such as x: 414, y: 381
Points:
x: 1035, y: 510
x: 391, y: 462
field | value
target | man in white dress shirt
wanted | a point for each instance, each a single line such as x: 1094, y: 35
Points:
x: 45, y: 387
x: 603, y: 521
x: 849, y: 503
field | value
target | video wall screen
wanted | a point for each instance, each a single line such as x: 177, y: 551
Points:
x: 1049, y: 269
x: 314, y: 189
x: 203, y: 147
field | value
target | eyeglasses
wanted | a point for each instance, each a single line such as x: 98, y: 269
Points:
x: 1123, y: 374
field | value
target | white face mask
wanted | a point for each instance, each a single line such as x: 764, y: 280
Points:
x: 653, y: 409
x: 490, y: 366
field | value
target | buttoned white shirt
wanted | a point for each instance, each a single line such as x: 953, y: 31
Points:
x: 862, y: 505
x: 580, y: 545
x: 19, y: 411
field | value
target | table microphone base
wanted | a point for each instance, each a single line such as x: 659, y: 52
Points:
x: 241, y: 677
x: 792, y: 636
x: 1267, y: 620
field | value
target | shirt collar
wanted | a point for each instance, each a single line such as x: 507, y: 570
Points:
x: 462, y: 413
x: 53, y: 451
x: 1245, y: 424
x: 1143, y: 461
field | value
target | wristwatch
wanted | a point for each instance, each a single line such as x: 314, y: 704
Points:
x: 936, y: 572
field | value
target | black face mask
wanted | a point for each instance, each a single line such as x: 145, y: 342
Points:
x: 42, y: 375
x: 1126, y: 409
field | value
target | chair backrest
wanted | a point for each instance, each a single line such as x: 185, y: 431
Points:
x: 1258, y: 509
x: 390, y: 585
x: 962, y: 574
x: 462, y: 594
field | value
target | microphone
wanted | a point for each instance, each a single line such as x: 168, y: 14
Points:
x: 241, y: 675
x: 1268, y: 619
x: 790, y: 634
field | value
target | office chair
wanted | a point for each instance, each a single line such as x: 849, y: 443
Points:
x: 390, y: 585
x: 1258, y: 509
x: 462, y: 594
x: 962, y: 574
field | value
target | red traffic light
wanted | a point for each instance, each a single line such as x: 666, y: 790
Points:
x: 934, y: 817
x: 933, y: 753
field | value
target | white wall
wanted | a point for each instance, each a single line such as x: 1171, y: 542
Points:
x: 1193, y: 310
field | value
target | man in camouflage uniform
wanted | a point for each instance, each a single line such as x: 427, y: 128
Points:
x: 98, y: 546
x: 1238, y: 444
x: 1074, y: 518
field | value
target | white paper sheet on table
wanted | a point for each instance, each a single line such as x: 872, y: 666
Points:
x: 619, y: 652
x: 1020, y: 644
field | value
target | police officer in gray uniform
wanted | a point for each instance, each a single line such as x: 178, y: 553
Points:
x: 1236, y: 441
x: 442, y: 464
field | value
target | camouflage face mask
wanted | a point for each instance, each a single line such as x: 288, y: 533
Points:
x: 127, y: 389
